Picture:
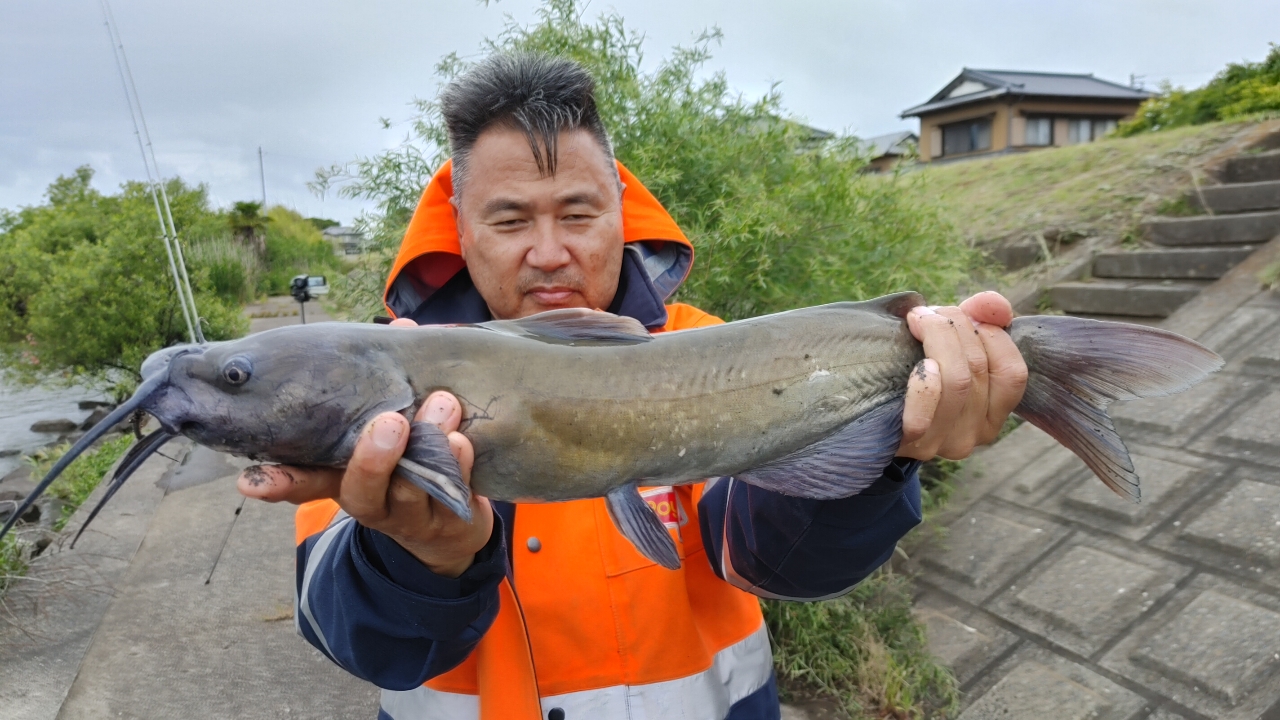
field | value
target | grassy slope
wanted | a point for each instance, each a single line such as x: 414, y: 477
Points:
x: 1099, y: 189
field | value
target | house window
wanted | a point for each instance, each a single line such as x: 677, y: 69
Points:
x: 965, y: 137
x: 1039, y: 131
x: 1079, y: 130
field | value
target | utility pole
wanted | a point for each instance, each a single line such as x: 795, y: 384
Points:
x: 262, y: 175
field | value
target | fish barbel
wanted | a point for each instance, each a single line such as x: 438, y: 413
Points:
x: 577, y: 403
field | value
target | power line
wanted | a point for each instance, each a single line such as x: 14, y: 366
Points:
x: 169, y: 232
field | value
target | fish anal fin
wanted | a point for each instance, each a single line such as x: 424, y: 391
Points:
x: 639, y: 524
x: 430, y: 466
x: 575, y: 326
x: 844, y: 463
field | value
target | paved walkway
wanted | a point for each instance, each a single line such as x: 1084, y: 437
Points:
x: 1053, y: 598
x: 174, y: 604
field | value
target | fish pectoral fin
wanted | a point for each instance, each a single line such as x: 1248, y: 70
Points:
x: 639, y: 524
x: 844, y: 463
x: 429, y: 464
x: 575, y: 325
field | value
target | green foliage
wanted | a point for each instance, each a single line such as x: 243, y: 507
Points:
x: 1098, y: 189
x: 293, y: 246
x: 1241, y: 90
x: 778, y: 219
x: 73, y: 487
x: 15, y: 554
x: 88, y: 292
x: 1270, y: 276
x: 323, y: 224
x: 231, y: 269
x: 864, y: 648
x: 79, y: 480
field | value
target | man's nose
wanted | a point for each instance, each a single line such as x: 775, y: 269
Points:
x: 549, y: 251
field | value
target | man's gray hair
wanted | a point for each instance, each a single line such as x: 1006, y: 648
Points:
x: 539, y: 95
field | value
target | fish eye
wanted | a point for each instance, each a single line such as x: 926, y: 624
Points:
x: 237, y: 370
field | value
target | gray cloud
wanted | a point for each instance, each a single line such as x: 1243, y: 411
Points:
x: 308, y: 80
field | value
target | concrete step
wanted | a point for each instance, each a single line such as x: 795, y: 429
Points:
x: 1242, y: 229
x: 1171, y: 264
x: 1123, y: 297
x: 1253, y: 168
x: 1240, y: 197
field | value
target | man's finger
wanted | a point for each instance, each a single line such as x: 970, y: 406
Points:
x: 277, y: 483
x: 924, y: 389
x: 989, y: 307
x: 441, y: 409
x: 365, y: 484
x: 1007, y: 373
x: 402, y: 322
x: 974, y: 351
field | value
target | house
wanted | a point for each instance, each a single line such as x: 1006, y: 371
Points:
x: 982, y: 112
x: 345, y: 240
x: 886, y: 150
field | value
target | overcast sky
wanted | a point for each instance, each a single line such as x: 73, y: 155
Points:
x: 308, y: 80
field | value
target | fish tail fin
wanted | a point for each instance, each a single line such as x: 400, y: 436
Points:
x: 1077, y: 367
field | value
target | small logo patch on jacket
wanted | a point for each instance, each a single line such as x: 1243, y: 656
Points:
x: 664, y: 503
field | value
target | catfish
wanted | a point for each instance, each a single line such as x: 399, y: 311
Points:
x: 577, y: 403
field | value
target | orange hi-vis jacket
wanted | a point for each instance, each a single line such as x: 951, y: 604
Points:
x: 560, y: 617
x: 586, y: 623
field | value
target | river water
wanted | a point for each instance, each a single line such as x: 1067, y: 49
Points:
x: 19, y: 408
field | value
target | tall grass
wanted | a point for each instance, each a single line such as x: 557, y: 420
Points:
x: 865, y: 649
x: 294, y: 247
x: 230, y: 269
x: 79, y: 480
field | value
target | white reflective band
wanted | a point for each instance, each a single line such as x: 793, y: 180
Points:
x: 423, y: 703
x: 736, y: 671
x: 304, y: 593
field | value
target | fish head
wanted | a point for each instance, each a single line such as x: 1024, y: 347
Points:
x: 292, y: 397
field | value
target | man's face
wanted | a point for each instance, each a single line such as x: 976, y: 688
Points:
x: 535, y: 243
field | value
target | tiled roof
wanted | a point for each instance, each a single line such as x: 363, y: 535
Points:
x: 976, y: 85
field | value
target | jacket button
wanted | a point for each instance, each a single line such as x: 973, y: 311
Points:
x: 555, y: 714
x: 534, y: 545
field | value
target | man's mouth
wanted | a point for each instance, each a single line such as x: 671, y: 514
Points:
x: 554, y: 295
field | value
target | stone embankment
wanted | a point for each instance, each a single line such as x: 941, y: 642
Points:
x: 1180, y: 256
x: 1051, y: 597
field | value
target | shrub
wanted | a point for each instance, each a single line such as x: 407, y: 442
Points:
x: 231, y: 270
x: 1241, y: 90
x: 88, y: 291
x: 293, y: 247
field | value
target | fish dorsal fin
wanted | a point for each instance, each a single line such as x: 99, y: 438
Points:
x: 897, y: 304
x: 575, y: 326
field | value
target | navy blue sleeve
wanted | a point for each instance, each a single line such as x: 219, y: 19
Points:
x: 380, y: 614
x: 783, y: 547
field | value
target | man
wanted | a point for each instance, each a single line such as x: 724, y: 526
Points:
x: 544, y: 610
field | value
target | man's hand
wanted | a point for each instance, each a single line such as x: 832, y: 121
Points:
x: 366, y: 489
x: 973, y: 377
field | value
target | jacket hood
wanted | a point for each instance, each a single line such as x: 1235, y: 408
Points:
x: 430, y: 259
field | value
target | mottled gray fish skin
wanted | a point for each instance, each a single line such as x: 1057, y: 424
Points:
x: 553, y: 421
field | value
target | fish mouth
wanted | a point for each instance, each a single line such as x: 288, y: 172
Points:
x: 155, y: 373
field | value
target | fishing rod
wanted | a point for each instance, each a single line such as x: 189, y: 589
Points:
x: 168, y: 232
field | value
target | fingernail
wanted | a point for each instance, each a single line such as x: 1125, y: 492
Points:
x: 921, y: 310
x: 438, y: 409
x: 931, y: 366
x: 386, y: 433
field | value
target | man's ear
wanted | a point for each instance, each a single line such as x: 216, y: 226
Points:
x: 457, y: 224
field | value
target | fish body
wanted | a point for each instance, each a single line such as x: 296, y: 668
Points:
x: 578, y: 404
